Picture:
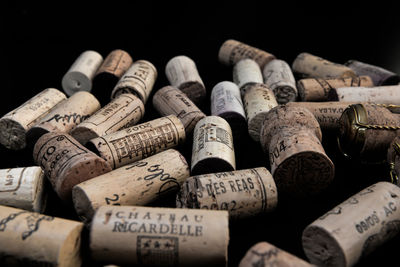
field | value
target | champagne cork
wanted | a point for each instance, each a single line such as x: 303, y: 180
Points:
x: 279, y: 78
x: 318, y: 89
x: 366, y: 131
x: 170, y: 100
x: 138, y: 183
x: 139, y: 80
x: 65, y: 116
x: 258, y: 101
x: 66, y: 162
x: 15, y: 124
x: 242, y: 193
x: 389, y: 94
x: 232, y: 51
x: 33, y: 239
x: 393, y: 157
x: 147, y: 236
x: 114, y: 66
x: 309, y: 66
x: 266, y: 254
x: 80, y: 75
x: 292, y: 138
x: 181, y: 72
x: 379, y: 76
x: 226, y: 102
x: 23, y: 188
x: 140, y: 141
x: 355, y: 228
x: 212, y: 146
x: 123, y: 111
x: 246, y: 71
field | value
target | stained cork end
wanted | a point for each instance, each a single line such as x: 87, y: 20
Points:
x: 82, y: 204
x: 211, y: 165
x: 194, y: 90
x: 285, y: 94
x: 12, y: 134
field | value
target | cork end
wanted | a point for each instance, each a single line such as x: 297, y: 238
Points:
x: 333, y: 95
x: 12, y: 134
x: 70, y: 252
x: 194, y: 90
x: 321, y: 248
x: 39, y: 192
x: 211, y: 165
x: 74, y: 82
x: 82, y: 204
x: 285, y: 94
x: 83, y: 134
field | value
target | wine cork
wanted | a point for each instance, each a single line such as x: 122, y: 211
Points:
x: 393, y: 157
x: 15, y: 124
x: 354, y: 228
x: 246, y: 71
x: 140, y: 141
x: 309, y: 66
x: 147, y: 236
x: 33, y: 239
x: 139, y: 80
x: 80, y: 75
x: 292, y: 138
x: 226, y: 103
x: 212, y: 146
x: 65, y: 116
x: 258, y: 101
x: 123, y: 111
x: 366, y: 131
x: 181, y: 72
x: 279, y: 78
x: 266, y: 254
x: 318, y: 89
x: 379, y: 76
x: 389, y: 94
x: 138, y: 183
x: 232, y: 51
x: 23, y: 188
x: 170, y: 100
x: 242, y: 193
x: 66, y: 162
x: 114, y: 66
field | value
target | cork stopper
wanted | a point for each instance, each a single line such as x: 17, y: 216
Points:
x: 354, y: 228
x: 66, y: 162
x: 182, y: 73
x: 123, y: 111
x: 246, y: 71
x: 138, y: 183
x: 381, y: 94
x: 15, y: 124
x: 309, y: 66
x: 232, y: 51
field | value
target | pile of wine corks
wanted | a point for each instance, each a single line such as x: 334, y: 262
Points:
x: 164, y: 191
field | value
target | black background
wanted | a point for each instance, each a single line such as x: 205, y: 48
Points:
x: 40, y: 42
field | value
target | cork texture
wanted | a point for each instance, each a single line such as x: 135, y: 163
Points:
x: 116, y: 64
x: 389, y: 94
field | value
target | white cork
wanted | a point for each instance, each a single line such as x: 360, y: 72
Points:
x: 246, y: 71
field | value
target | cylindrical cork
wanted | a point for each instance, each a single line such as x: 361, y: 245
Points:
x: 140, y: 141
x: 139, y: 80
x: 366, y: 131
x: 114, y: 66
x: 33, y: 239
x: 66, y: 162
x: 15, y: 124
x: 318, y: 89
x: 389, y: 94
x: 309, y: 66
x: 242, y: 193
x: 65, y: 116
x: 379, y: 76
x: 246, y: 71
x: 181, y: 72
x: 258, y: 101
x: 292, y: 138
x: 80, y: 75
x: 232, y: 51
x: 266, y: 254
x: 226, y: 102
x: 212, y: 149
x: 147, y: 236
x: 279, y: 78
x: 170, y: 100
x: 23, y: 188
x: 139, y: 183
x: 355, y: 228
x: 123, y: 111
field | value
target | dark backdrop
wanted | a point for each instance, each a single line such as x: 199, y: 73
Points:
x: 40, y: 42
